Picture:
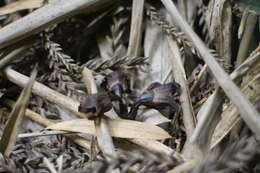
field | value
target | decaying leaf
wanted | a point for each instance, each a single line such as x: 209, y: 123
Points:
x: 13, y: 126
x: 118, y: 128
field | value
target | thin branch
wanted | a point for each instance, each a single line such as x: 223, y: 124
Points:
x: 43, y: 133
x: 43, y: 91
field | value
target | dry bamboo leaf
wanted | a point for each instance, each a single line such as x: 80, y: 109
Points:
x: 118, y: 128
x: 230, y: 116
x: 21, y: 5
x: 14, y: 124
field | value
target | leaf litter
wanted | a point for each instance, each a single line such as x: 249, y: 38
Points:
x: 135, y: 126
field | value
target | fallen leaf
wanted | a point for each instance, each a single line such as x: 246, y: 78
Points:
x: 118, y: 128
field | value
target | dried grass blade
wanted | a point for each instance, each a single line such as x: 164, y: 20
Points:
x: 118, y: 128
x: 14, y: 124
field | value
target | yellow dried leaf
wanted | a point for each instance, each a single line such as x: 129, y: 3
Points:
x: 118, y: 128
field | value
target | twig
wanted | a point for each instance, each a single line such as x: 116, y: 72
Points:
x: 246, y: 109
x: 43, y: 91
x: 89, y: 81
x: 43, y: 133
x: 136, y: 28
x: 46, y: 16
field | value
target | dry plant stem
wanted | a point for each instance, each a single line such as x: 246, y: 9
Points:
x: 180, y: 77
x: 68, y: 103
x: 43, y: 91
x: 207, y: 112
x: 251, y: 22
x: 136, y: 28
x: 44, y: 133
x: 104, y: 138
x: 89, y: 81
x: 246, y: 109
x: 52, y: 13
